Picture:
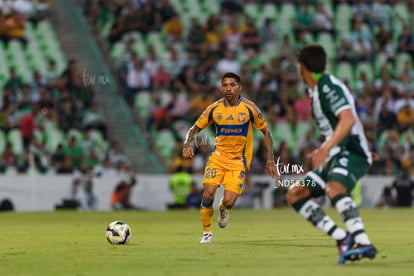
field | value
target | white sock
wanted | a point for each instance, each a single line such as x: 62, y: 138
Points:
x: 338, y: 234
x: 347, y: 208
x: 313, y: 213
x: 362, y: 238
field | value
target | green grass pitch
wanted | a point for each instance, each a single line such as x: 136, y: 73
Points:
x: 256, y: 242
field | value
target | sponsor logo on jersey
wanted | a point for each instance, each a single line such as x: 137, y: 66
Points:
x: 231, y: 130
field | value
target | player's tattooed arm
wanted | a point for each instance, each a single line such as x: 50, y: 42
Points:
x: 268, y: 142
x: 188, y: 151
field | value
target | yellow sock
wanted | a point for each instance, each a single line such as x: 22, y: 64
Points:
x: 206, y: 217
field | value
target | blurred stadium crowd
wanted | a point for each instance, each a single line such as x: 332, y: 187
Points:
x: 170, y: 55
x: 49, y: 119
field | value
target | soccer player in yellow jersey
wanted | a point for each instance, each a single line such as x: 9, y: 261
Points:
x: 234, y: 118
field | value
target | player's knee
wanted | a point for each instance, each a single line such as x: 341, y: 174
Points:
x: 208, y: 197
x: 334, y: 188
x: 295, y: 193
x: 229, y: 202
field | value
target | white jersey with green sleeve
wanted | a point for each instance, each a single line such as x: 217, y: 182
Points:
x: 329, y: 97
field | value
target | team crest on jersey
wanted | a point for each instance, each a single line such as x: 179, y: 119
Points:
x: 219, y: 116
x: 242, y: 117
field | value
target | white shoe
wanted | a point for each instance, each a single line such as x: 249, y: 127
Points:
x: 207, y: 238
x: 223, y: 218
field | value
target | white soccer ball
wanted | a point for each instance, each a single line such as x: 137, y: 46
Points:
x: 118, y: 232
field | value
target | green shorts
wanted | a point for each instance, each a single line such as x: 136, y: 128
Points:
x: 345, y: 167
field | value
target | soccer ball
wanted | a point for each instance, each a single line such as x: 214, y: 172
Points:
x: 118, y: 232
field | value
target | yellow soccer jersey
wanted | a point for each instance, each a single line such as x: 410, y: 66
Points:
x: 234, y: 129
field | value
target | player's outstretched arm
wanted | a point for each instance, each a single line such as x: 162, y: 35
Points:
x: 188, y: 151
x: 270, y: 162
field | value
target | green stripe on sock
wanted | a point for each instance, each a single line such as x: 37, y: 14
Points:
x: 337, y: 198
x: 298, y: 204
x: 358, y: 232
x: 331, y: 230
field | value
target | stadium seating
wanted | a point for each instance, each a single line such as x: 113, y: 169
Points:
x: 165, y: 141
x: 282, y: 15
x: 15, y: 137
x: 42, y: 47
x: 142, y: 100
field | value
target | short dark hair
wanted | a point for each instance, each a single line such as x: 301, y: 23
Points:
x: 313, y: 57
x: 231, y: 75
